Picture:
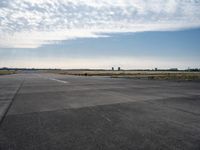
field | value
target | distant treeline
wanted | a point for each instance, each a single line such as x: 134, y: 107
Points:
x: 50, y: 69
x: 16, y: 69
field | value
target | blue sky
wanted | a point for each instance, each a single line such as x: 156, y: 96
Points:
x: 131, y: 34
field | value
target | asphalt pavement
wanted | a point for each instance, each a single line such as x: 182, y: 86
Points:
x: 41, y: 111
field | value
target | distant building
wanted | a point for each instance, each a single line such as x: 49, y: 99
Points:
x: 119, y: 68
x: 156, y: 69
x: 113, y: 69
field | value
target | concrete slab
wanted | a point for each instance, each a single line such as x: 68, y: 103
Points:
x: 3, y: 108
x: 101, y: 113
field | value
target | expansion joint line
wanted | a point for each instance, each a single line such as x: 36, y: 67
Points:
x: 12, y: 100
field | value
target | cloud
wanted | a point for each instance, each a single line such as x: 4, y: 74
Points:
x: 33, y: 23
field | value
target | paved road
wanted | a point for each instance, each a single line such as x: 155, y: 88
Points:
x: 54, y: 112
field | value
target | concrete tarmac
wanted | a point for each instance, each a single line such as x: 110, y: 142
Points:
x: 56, y: 112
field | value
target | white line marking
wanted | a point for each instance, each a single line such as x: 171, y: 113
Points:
x: 105, y: 117
x: 61, y: 81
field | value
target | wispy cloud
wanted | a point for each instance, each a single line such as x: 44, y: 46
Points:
x: 33, y: 23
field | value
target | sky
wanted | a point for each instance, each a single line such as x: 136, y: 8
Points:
x: 100, y: 34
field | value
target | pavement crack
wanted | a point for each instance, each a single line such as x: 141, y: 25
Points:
x: 12, y: 100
